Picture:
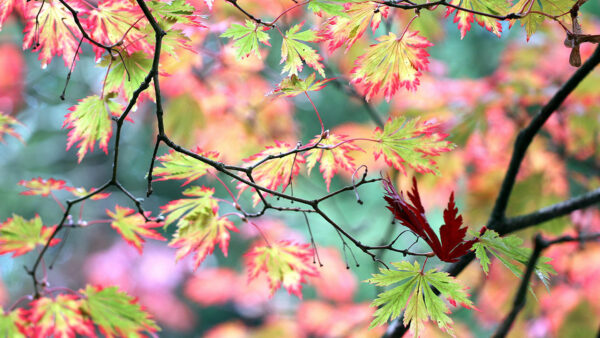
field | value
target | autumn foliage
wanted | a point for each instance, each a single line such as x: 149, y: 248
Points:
x: 253, y: 146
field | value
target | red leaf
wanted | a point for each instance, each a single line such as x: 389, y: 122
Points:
x: 452, y: 246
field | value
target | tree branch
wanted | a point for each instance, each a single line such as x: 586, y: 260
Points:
x: 497, y: 218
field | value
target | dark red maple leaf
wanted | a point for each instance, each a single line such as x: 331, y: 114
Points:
x: 452, y: 246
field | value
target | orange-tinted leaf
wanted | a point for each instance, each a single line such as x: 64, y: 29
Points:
x: 59, y: 317
x: 7, y: 123
x: 347, y: 30
x: 275, y: 172
x: 116, y: 313
x: 90, y: 122
x: 56, y: 34
x: 408, y: 142
x: 40, y: 186
x: 392, y: 63
x: 177, y: 166
x: 20, y: 236
x: 284, y: 263
x: 199, y: 228
x: 132, y: 225
x: 331, y: 160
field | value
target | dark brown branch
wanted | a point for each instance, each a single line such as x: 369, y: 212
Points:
x: 520, y: 297
x: 548, y: 213
x: 526, y: 135
x: 497, y: 218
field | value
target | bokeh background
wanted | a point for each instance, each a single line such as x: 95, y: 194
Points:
x: 482, y: 88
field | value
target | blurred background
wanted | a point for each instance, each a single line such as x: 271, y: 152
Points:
x: 483, y: 89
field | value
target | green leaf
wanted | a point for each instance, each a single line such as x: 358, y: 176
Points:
x: 132, y: 226
x: 178, y: 166
x: 531, y: 21
x: 294, y: 51
x: 203, y: 203
x: 246, y: 38
x: 90, y: 121
x: 177, y: 11
x: 508, y: 250
x: 20, y: 236
x: 293, y: 85
x: 415, y: 296
x: 115, y: 312
x: 127, y: 72
x: 9, y: 323
x: 331, y: 7
x: 59, y: 317
x: 404, y: 141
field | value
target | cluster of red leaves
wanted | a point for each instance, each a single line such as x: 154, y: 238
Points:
x: 452, y: 245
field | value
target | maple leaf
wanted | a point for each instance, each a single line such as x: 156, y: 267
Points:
x: 286, y: 264
x: 7, y: 6
x: 7, y: 123
x: 293, y: 51
x: 464, y: 19
x: 392, y: 63
x: 292, y: 85
x: 59, y: 317
x: 20, y: 236
x: 274, y: 172
x: 116, y: 313
x: 531, y: 21
x: 126, y: 73
x: 56, y: 33
x: 416, y: 297
x: 109, y: 23
x: 200, y: 231
x: 332, y: 159
x: 90, y: 121
x: 246, y: 38
x: 452, y: 245
x: 170, y: 13
x: 203, y: 203
x: 172, y: 43
x: 178, y: 166
x: 347, y: 29
x: 12, y: 324
x: 42, y: 187
x: 80, y: 192
x: 403, y: 141
x: 132, y: 225
x: 508, y: 250
x: 331, y: 7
